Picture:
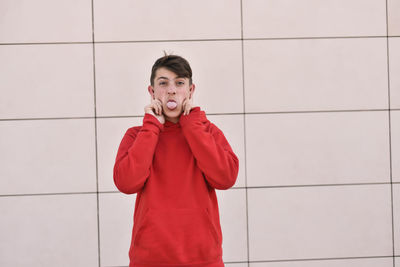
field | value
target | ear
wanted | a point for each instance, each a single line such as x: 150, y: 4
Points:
x: 151, y: 91
x: 191, y: 90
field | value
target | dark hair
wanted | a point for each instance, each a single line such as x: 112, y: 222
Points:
x: 174, y: 63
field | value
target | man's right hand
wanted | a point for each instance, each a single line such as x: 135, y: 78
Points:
x: 155, y: 109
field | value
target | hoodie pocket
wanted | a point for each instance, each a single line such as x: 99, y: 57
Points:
x: 184, y: 235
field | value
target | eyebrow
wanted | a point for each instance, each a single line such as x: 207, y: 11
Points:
x: 162, y: 77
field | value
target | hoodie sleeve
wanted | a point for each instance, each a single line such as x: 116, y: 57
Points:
x: 135, y: 155
x: 211, y: 150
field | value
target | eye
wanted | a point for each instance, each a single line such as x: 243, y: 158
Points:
x: 180, y: 82
x: 162, y: 83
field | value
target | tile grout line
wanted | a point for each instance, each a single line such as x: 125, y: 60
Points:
x: 325, y: 259
x: 233, y: 188
x: 212, y: 114
x: 244, y: 135
x: 390, y: 131
x: 203, y: 40
x: 95, y: 132
x: 296, y: 260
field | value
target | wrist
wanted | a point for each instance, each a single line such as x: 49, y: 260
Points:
x: 151, y: 122
x: 195, y: 114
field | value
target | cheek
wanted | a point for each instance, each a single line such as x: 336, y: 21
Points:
x: 161, y: 94
x: 184, y: 94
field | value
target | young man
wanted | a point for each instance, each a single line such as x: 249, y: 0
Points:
x: 174, y: 162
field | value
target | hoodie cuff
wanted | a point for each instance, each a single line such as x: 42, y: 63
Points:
x: 151, y: 123
x: 194, y: 115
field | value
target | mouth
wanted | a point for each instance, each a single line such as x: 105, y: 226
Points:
x: 171, y: 104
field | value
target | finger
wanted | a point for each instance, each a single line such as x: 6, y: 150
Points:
x: 154, y: 101
x: 155, y: 107
x: 185, y: 102
x: 158, y: 109
x: 187, y: 108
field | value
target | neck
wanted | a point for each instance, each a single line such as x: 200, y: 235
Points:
x: 173, y: 120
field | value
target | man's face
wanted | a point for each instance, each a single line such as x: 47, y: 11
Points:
x: 167, y: 85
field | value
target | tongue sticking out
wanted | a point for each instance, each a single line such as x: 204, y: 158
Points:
x: 171, y: 105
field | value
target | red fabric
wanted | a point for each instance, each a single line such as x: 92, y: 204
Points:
x: 175, y: 168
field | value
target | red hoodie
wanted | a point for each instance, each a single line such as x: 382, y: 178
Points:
x: 175, y: 168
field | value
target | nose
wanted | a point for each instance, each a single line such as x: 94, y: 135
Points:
x: 171, y: 89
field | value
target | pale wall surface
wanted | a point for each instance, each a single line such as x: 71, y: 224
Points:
x: 307, y: 92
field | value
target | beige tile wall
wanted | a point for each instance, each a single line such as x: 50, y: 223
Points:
x: 313, y: 18
x: 307, y: 92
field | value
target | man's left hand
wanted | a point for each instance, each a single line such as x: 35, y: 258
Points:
x: 187, y: 105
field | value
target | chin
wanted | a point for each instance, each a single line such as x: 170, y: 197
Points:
x: 175, y: 111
